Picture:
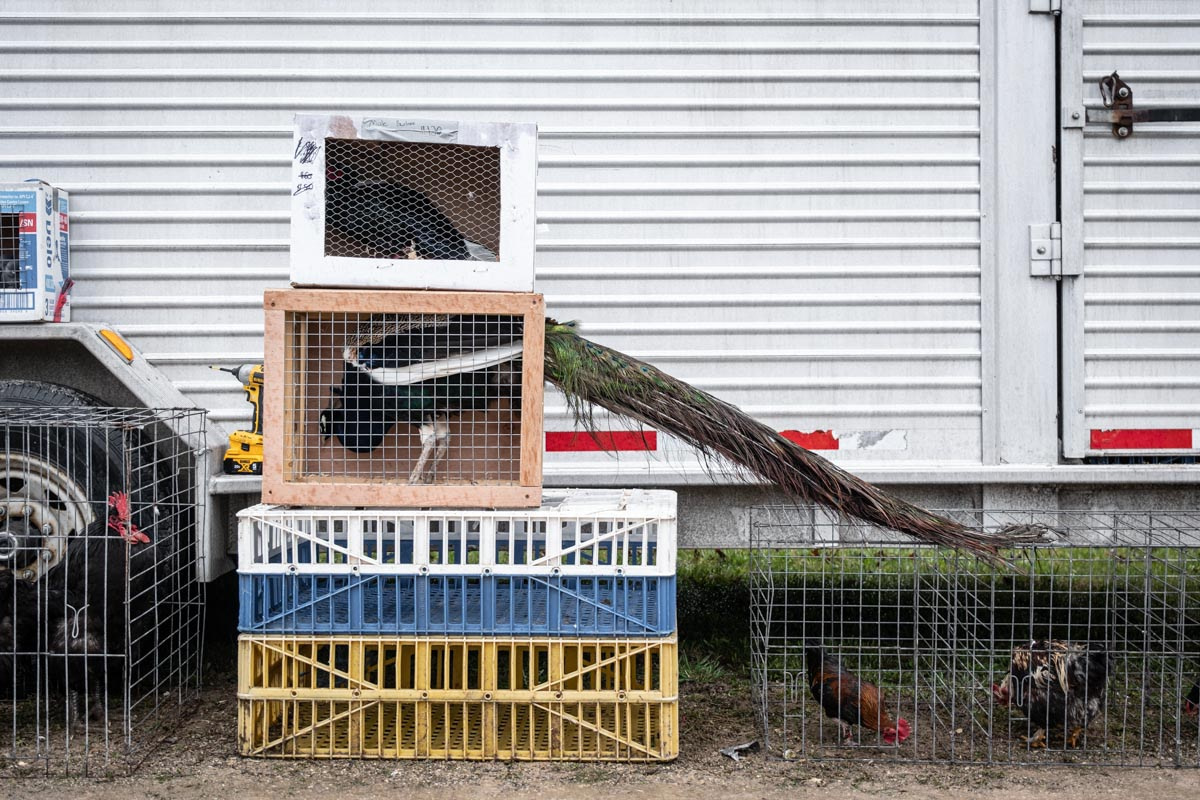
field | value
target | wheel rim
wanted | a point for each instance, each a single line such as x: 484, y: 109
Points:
x: 41, y: 509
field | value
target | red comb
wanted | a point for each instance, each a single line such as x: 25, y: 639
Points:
x: 119, y: 522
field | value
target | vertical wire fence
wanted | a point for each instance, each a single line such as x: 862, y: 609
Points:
x: 942, y: 636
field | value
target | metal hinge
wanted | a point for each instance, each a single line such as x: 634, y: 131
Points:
x: 1045, y: 250
x: 1045, y: 6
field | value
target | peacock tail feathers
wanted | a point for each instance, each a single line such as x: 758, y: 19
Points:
x: 591, y: 375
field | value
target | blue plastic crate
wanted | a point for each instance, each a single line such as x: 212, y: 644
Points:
x: 569, y: 605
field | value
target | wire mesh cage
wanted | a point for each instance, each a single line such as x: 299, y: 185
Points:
x: 411, y: 200
x: 382, y: 201
x: 867, y: 645
x: 404, y: 398
x: 101, y: 601
x: 12, y: 252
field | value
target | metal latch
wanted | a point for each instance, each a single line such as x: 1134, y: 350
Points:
x: 1045, y: 6
x: 1045, y: 250
x: 1118, y: 100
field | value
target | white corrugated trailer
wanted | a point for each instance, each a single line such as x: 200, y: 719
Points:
x: 844, y: 218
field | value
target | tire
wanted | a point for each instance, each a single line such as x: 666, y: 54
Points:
x: 65, y: 473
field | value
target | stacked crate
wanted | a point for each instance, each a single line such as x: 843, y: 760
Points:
x: 421, y: 596
x: 531, y: 634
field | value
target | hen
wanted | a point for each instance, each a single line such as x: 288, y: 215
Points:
x: 845, y: 697
x: 1056, y: 683
x: 1191, y: 703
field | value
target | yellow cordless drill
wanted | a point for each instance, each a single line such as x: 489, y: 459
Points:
x: 245, y: 453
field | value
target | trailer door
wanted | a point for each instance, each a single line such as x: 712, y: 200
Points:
x: 1131, y: 231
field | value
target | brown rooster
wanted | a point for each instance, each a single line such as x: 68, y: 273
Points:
x: 850, y: 700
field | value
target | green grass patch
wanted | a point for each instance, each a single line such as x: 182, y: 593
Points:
x: 1140, y: 598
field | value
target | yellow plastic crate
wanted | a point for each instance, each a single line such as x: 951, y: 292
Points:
x: 554, y: 731
x: 458, y: 669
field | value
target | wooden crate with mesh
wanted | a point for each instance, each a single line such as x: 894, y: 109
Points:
x: 390, y: 398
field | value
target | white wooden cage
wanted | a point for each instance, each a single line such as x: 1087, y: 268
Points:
x: 418, y: 204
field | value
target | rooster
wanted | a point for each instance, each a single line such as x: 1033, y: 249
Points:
x: 845, y: 697
x: 1056, y: 683
x: 1191, y: 703
x: 72, y: 622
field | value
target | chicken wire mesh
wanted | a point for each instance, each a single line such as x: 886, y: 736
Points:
x: 407, y: 200
x: 12, y: 254
x: 409, y: 398
x: 1086, y: 652
x: 101, y: 602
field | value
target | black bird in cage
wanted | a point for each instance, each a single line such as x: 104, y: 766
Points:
x: 90, y: 620
x: 421, y: 370
x: 391, y: 220
x: 1056, y: 683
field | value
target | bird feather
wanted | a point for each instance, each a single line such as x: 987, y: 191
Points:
x: 592, y: 375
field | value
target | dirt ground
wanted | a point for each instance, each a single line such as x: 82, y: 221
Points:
x: 198, y: 760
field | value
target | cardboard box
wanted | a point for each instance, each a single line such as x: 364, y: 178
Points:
x: 34, y: 253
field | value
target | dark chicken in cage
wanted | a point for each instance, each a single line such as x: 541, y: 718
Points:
x: 380, y: 200
x: 390, y: 220
x: 420, y: 370
x: 1056, y: 684
x: 101, y: 601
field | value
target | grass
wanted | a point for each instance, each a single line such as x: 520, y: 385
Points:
x: 713, y: 607
x: 867, y: 595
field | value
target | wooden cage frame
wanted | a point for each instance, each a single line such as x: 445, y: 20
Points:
x: 281, y: 484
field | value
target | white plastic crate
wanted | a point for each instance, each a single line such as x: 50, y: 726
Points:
x: 591, y: 532
x: 394, y: 202
x: 34, y: 260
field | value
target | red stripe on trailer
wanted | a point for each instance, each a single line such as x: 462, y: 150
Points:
x: 812, y: 440
x: 1142, y: 439
x: 581, y: 442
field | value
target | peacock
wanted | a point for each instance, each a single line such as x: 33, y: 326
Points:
x: 423, y: 371
x: 419, y: 370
